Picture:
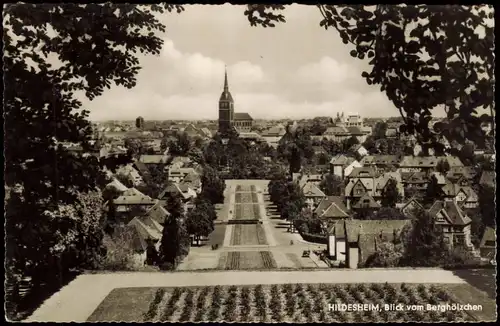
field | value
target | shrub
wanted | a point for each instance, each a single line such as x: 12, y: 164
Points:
x: 120, y: 256
x: 154, y: 304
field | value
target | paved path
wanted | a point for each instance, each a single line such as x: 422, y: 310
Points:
x: 77, y: 300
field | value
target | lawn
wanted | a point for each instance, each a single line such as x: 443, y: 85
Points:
x: 248, y: 234
x: 125, y: 304
x: 240, y: 260
x: 296, y: 303
x: 217, y: 235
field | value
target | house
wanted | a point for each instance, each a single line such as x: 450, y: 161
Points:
x: 184, y: 191
x: 410, y: 207
x: 366, y: 201
x: 273, y: 135
x: 414, y: 182
x: 131, y: 174
x: 158, y: 213
x: 342, y: 165
x: 454, y: 223
x: 117, y: 185
x: 177, y: 174
x: 357, y: 240
x: 303, y: 178
x: 418, y: 163
x: 180, y: 161
x: 461, y: 174
x: 488, y: 178
x: 313, y: 194
x: 359, y: 149
x: 132, y: 201
x: 383, y: 180
x: 464, y: 195
x: 143, y: 231
x: 331, y: 208
x: 361, y: 181
x: 487, y: 247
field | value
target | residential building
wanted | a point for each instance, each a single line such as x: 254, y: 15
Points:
x: 454, y: 223
x: 360, y: 182
x: 131, y: 174
x: 464, y: 195
x: 331, y: 208
x: 273, y: 135
x: 359, y: 149
x: 342, y: 165
x: 418, y: 163
x: 313, y: 194
x: 487, y: 246
x: 357, y: 240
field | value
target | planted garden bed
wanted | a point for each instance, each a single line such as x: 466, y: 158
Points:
x: 244, y: 198
x: 294, y: 303
x: 245, y: 234
x: 247, y: 260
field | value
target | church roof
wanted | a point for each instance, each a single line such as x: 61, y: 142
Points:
x: 242, y: 116
x: 226, y: 96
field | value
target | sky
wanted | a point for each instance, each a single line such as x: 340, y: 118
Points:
x: 294, y: 70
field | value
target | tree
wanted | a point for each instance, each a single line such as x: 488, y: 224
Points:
x: 331, y: 185
x: 387, y: 255
x: 389, y: 213
x: 379, y: 130
x: 47, y: 176
x: 212, y: 186
x: 487, y: 205
x: 423, y: 242
x: 369, y: 145
x: 331, y: 147
x: 390, y: 194
x: 199, y: 222
x: 181, y: 145
x: 171, y: 237
x: 134, y: 147
x: 295, y: 147
x: 457, y: 60
x: 443, y: 166
x: 466, y: 154
x: 433, y: 192
x: 349, y: 142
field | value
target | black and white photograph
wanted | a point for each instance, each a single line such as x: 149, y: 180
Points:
x: 245, y: 163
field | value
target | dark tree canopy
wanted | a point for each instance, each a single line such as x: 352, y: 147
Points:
x: 42, y: 110
x: 390, y: 194
x: 443, y: 63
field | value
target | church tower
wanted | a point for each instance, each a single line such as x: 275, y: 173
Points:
x: 226, y: 108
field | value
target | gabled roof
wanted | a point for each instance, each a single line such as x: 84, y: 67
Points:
x: 338, y: 229
x: 384, y: 178
x: 386, y: 159
x: 355, y: 228
x: 355, y: 131
x: 412, y: 201
x: 489, y: 235
x: 414, y: 177
x: 470, y: 193
x: 336, y: 131
x: 452, y: 212
x: 440, y: 178
x: 363, y: 172
x: 133, y: 192
x: 366, y: 200
x: 419, y: 161
x: 117, y: 185
x: 342, y: 160
x: 158, y: 213
x: 242, y: 116
x: 134, y: 200
x: 487, y: 178
x: 143, y: 229
x: 452, y: 160
x: 153, y: 159
x: 332, y: 207
x: 367, y: 160
x: 311, y: 190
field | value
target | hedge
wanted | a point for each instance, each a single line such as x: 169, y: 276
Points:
x: 315, y: 238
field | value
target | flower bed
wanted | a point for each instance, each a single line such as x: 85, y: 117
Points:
x: 298, y: 303
x: 247, y: 260
x: 246, y: 211
x: 245, y: 234
x: 244, y: 198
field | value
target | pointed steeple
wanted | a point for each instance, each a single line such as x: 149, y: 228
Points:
x: 226, y: 86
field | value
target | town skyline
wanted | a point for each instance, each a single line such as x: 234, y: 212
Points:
x: 268, y: 77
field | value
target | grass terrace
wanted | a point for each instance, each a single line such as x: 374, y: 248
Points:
x: 295, y: 303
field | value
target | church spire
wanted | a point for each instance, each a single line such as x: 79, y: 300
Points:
x: 226, y: 86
